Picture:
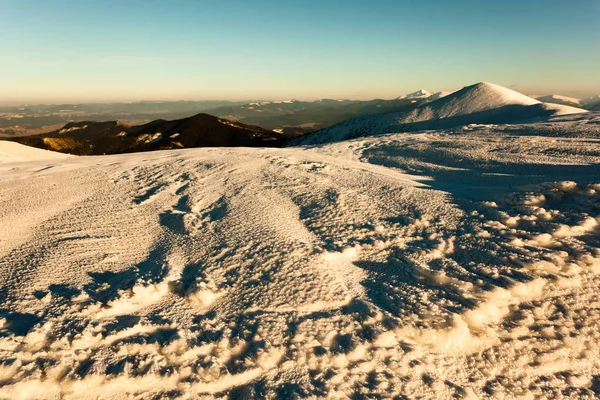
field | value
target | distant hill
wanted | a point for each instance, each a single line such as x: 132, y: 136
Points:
x: 113, y: 137
x: 482, y: 103
x: 559, y: 99
x: 590, y: 103
x: 297, y: 117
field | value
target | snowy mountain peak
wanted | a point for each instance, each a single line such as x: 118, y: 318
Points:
x: 479, y: 97
x: 481, y: 103
x: 419, y: 94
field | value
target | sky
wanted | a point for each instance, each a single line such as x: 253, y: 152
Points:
x: 115, y: 50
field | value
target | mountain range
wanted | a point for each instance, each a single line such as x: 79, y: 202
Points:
x: 113, y: 137
x: 289, y: 117
x: 482, y: 103
x: 589, y: 103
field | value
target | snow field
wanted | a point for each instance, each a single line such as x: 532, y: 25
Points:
x: 460, y: 263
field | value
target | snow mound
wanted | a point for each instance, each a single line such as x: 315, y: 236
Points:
x: 482, y: 103
x: 15, y: 152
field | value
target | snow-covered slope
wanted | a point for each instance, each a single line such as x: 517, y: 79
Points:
x: 560, y: 109
x: 482, y: 103
x: 12, y: 152
x: 441, y: 265
x: 438, y: 95
x: 559, y: 99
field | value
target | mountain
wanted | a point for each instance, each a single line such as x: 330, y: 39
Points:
x: 419, y: 94
x: 482, y: 103
x: 113, y: 137
x: 559, y: 99
x: 297, y: 117
x: 423, y: 94
x: 591, y: 103
x: 21, y: 120
x: 291, y: 117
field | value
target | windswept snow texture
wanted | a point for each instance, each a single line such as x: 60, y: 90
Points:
x: 447, y: 264
x: 482, y: 103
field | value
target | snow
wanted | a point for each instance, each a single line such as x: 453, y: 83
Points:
x: 476, y: 98
x: 457, y: 263
x: 559, y: 99
x: 439, y: 95
x: 591, y: 100
x: 482, y: 103
x: 560, y: 109
x: 419, y: 94
x: 15, y: 152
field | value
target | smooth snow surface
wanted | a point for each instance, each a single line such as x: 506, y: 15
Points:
x: 447, y: 264
x: 482, y: 103
x: 14, y: 152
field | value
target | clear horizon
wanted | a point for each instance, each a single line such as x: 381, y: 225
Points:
x: 76, y: 52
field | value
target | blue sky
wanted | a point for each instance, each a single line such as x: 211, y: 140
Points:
x: 90, y: 50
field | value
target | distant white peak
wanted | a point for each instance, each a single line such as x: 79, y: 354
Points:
x: 559, y: 99
x: 329, y: 100
x: 419, y: 94
x: 470, y: 99
x: 591, y: 100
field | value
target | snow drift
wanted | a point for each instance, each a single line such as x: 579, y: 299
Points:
x: 482, y: 103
